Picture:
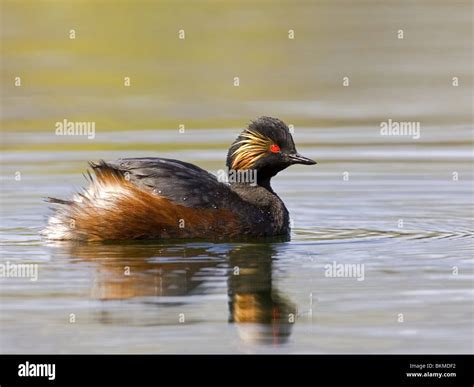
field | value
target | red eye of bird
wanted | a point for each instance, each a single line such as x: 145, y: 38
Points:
x: 274, y: 148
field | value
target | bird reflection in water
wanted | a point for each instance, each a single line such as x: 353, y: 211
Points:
x: 260, y: 312
x: 126, y: 271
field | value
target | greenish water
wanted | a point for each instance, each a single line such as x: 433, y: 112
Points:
x: 400, y: 207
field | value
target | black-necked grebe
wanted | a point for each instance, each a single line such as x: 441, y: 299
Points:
x: 157, y: 198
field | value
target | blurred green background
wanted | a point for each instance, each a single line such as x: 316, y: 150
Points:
x: 190, y: 81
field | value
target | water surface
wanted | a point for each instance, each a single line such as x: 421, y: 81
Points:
x: 400, y: 207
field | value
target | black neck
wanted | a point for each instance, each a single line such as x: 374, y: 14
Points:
x: 261, y: 181
x: 265, y: 183
x: 251, y: 177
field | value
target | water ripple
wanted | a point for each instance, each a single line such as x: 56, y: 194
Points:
x: 344, y: 234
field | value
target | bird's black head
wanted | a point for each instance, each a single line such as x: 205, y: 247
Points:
x: 265, y: 146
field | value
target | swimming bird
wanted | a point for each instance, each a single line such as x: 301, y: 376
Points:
x: 159, y: 198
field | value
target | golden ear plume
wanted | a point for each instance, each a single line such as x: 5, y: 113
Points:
x: 250, y: 149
